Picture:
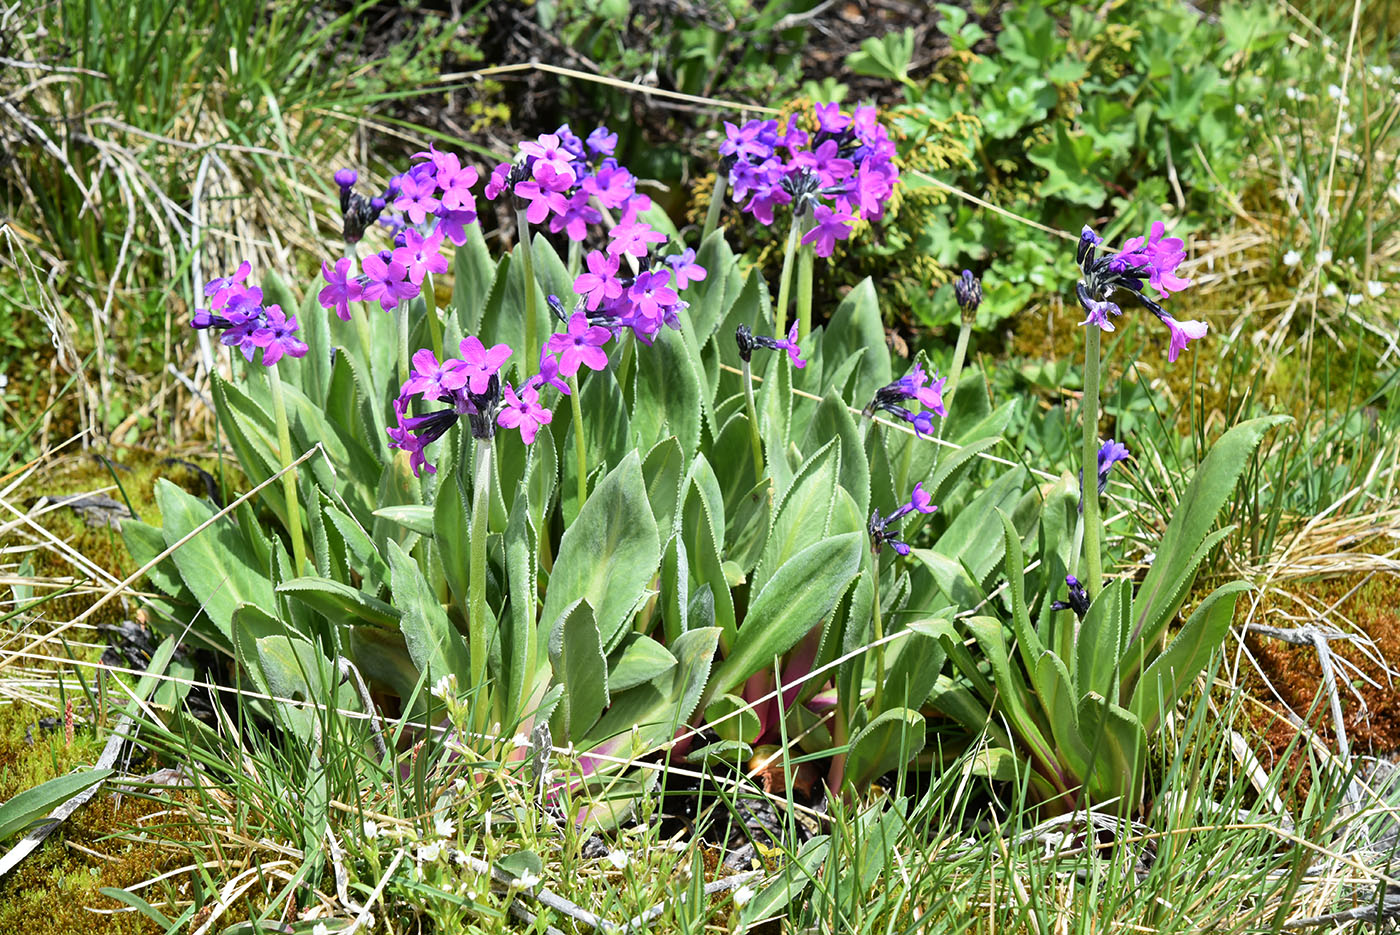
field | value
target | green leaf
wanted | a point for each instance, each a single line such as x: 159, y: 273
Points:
x: 337, y: 600
x: 1098, y: 652
x: 702, y: 530
x: 434, y: 644
x: 1070, y: 163
x: 890, y: 740
x: 217, y: 565
x: 667, y: 398
x: 578, y: 662
x: 1120, y: 748
x: 803, y: 512
x: 804, y: 590
x: 910, y: 678
x: 833, y: 420
x: 790, y: 883
x: 412, y: 516
x: 31, y: 805
x: 1166, y: 678
x: 639, y: 659
x: 1169, y: 579
x: 857, y: 328
x: 733, y: 719
x: 608, y: 554
x: 662, y: 468
x: 641, y: 719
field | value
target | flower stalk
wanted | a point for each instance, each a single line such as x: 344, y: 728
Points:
x: 477, y: 625
x: 752, y: 411
x: 528, y: 258
x: 804, y: 290
x: 289, y: 473
x: 785, y: 277
x: 1093, y: 556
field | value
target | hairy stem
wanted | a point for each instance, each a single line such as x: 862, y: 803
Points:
x: 1089, y: 489
x: 804, y: 290
x: 752, y: 412
x: 477, y: 635
x: 580, y: 449
x: 785, y: 277
x: 716, y: 206
x: 532, y: 354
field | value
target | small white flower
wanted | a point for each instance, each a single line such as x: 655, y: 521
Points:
x: 444, y: 827
x: 1293, y: 94
x: 4, y: 380
x: 460, y: 859
x: 618, y: 859
x: 525, y: 881
x: 1291, y: 258
x: 371, y: 830
x: 1375, y: 289
x: 460, y: 785
x: 520, y: 741
x: 1324, y: 256
x: 1330, y: 290
x: 445, y: 687
x: 1240, y: 111
x: 320, y: 929
x: 743, y: 896
x: 1335, y: 93
x: 1348, y: 128
x: 430, y: 852
x: 1354, y: 299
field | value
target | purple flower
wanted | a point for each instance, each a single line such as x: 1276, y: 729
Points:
x: 600, y: 283
x: 456, y: 189
x: 416, y: 198
x: 763, y: 202
x: 524, y: 412
x: 651, y: 295
x: 754, y: 140
x: 500, y: 178
x: 433, y: 380
x: 1110, y: 453
x: 346, y: 178
x: 830, y: 118
x: 633, y: 237
x: 540, y: 201
x: 1181, y: 331
x: 931, y: 396
x: 480, y: 363
x: 453, y: 225
x: 549, y: 372
x: 831, y: 227
x: 581, y: 344
x: 414, y: 433
x: 921, y: 499
x: 602, y: 142
x: 341, y: 288
x: 1098, y: 314
x: 575, y: 217
x: 611, y: 185
x: 789, y: 344
x: 1160, y: 256
x: 388, y: 281
x: 1078, y: 598
x: 549, y: 153
x: 687, y: 270
x: 884, y: 530
x: 276, y: 335
x: 217, y: 286
x: 828, y: 167
x: 421, y: 255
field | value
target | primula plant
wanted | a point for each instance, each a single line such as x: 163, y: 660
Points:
x: 742, y: 535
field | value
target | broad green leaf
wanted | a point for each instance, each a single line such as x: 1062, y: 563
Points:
x: 890, y: 740
x: 608, y: 554
x: 578, y: 662
x: 217, y: 565
x: 1119, y: 746
x: 663, y: 469
x: 434, y: 644
x: 641, y: 719
x: 702, y: 533
x: 1098, y: 652
x: 833, y: 420
x: 414, y: 516
x: 519, y: 627
x: 1173, y: 569
x: 802, y: 591
x: 338, y: 600
x: 711, y: 298
x: 790, y: 883
x: 1166, y: 678
x: 637, y: 660
x: 910, y: 677
x: 733, y: 719
x: 857, y: 328
x: 802, y: 515
x: 29, y: 806
x: 667, y: 398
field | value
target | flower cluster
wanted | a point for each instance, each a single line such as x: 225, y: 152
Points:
x: 885, y: 530
x: 1154, y: 258
x: 470, y: 386
x: 844, y: 170
x: 968, y: 291
x: 747, y: 341
x: 237, y: 310
x: 643, y: 301
x: 357, y: 212
x: 565, y: 180
x: 913, y: 385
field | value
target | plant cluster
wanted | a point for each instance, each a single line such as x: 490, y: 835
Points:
x: 705, y: 573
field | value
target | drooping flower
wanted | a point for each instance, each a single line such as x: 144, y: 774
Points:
x: 913, y: 385
x: 747, y: 341
x: 1181, y: 332
x: 884, y: 530
x: 1110, y: 453
x: 1078, y: 598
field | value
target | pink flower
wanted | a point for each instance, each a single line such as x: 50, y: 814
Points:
x: 524, y: 412
x: 831, y: 227
x: 434, y: 380
x: 1182, y: 331
x: 600, y: 283
x: 581, y: 345
x: 341, y: 288
x: 480, y: 363
x: 416, y: 198
x: 421, y: 255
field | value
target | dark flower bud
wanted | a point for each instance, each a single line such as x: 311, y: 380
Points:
x: 1078, y: 598
x: 744, y: 338
x: 968, y: 291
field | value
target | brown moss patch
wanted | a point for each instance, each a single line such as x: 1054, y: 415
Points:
x: 1372, y: 604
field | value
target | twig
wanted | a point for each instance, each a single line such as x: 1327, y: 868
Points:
x: 348, y: 671
x: 734, y: 881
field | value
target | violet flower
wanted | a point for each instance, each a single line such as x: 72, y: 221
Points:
x: 524, y: 412
x: 885, y: 530
x: 747, y: 341
x: 342, y: 288
x: 913, y: 385
x: 1154, y: 258
x: 1078, y: 598
x: 237, y: 310
x: 581, y: 345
